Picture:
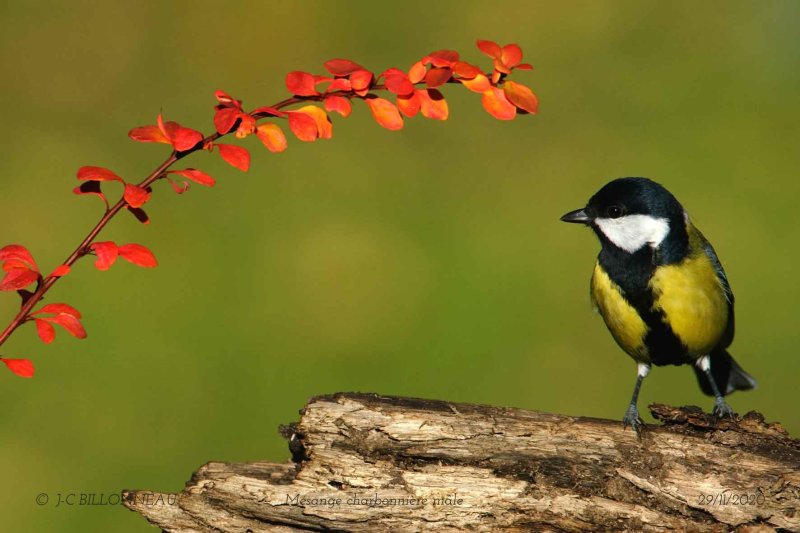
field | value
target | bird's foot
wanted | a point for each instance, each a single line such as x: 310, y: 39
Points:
x: 633, y: 420
x: 722, y: 410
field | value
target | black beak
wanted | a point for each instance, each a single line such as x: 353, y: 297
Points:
x: 578, y: 216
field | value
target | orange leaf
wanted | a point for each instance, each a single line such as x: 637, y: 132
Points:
x: 511, y: 55
x: 247, y: 125
x: 495, y: 102
x: 436, y: 77
x: 342, y: 67
x: 106, y: 253
x: 340, y: 84
x: 409, y: 105
x: 301, y: 83
x: 490, y: 48
x: 417, y: 72
x: 135, y: 195
x: 432, y: 104
x: 97, y: 174
x: 225, y: 118
x: 324, y: 126
x: 46, y: 331
x: 340, y: 104
x: 21, y: 367
x: 443, y: 58
x: 466, y: 70
x: 148, y: 134
x: 60, y: 271
x: 138, y: 255
x: 361, y: 80
x: 272, y: 136
x: 385, y: 113
x: 521, y: 96
x: 196, y: 176
x: 478, y: 84
x: 303, y: 126
x: 235, y: 156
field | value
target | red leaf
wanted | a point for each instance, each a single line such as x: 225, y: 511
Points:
x: 59, y: 309
x: 495, y: 102
x: 18, y: 278
x: 443, y: 58
x: 511, y: 55
x: 436, y: 77
x: 340, y: 84
x: 135, y: 195
x: 521, y: 96
x: 106, y: 253
x: 138, y: 255
x: 301, y: 83
x: 385, y: 113
x: 490, y: 48
x: 342, y: 67
x: 524, y: 66
x: 225, y: 118
x: 196, y: 176
x: 466, y: 70
x: 21, y: 367
x: 179, y: 187
x: 303, y: 126
x: 148, y: 134
x: 97, y: 174
x: 272, y: 136
x: 60, y: 271
x: 20, y: 253
x: 227, y: 100
x: 69, y: 323
x: 235, y: 156
x: 181, y: 138
x: 247, y: 125
x: 409, y: 105
x: 361, y: 80
x: 91, y: 187
x: 432, y: 104
x: 399, y: 84
x: 324, y: 126
x: 417, y: 72
x: 46, y: 331
x: 478, y: 84
x: 340, y: 104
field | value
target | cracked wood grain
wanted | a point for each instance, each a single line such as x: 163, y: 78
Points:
x: 363, y: 462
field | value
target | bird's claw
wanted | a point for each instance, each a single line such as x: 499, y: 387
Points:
x: 722, y: 410
x: 633, y: 420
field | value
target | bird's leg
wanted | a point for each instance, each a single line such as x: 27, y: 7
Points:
x: 721, y: 408
x: 631, y: 417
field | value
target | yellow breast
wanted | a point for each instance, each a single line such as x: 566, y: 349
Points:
x: 693, y: 302
x: 622, y: 320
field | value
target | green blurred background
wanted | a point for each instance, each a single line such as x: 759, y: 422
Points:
x: 427, y: 262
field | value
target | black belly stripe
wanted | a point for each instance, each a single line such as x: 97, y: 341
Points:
x: 632, y: 274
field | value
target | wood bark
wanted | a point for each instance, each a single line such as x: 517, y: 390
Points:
x: 363, y: 462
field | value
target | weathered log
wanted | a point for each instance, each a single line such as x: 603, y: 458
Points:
x: 363, y: 462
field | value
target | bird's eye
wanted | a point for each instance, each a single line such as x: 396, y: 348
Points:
x: 614, y: 211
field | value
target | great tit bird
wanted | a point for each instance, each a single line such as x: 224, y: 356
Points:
x: 661, y: 289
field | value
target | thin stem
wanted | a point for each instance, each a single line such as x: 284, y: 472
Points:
x: 83, y: 248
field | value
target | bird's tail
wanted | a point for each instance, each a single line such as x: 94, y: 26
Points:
x: 727, y: 373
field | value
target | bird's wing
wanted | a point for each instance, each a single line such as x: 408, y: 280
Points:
x: 726, y: 287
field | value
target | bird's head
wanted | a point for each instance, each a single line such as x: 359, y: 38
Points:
x: 631, y: 213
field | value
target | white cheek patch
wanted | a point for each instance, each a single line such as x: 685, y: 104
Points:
x: 632, y: 232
